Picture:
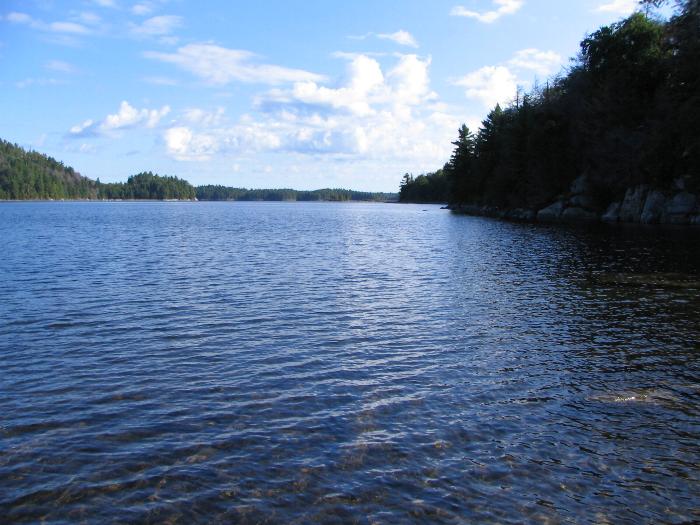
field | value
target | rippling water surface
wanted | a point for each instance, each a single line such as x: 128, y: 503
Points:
x: 296, y: 363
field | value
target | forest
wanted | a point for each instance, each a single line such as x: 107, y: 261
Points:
x: 626, y: 113
x: 224, y: 193
x: 28, y: 175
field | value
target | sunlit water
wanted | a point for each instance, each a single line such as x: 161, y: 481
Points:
x: 370, y: 363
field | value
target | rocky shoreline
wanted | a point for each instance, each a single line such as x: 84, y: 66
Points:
x: 641, y: 204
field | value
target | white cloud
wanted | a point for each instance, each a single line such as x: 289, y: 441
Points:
x: 503, y: 7
x: 182, y: 144
x: 541, y: 62
x: 87, y: 17
x: 142, y: 9
x: 158, y: 25
x: 402, y: 37
x: 201, y: 117
x: 160, y: 81
x: 106, y: 3
x: 71, y: 28
x: 127, y: 117
x: 60, y: 66
x: 490, y: 85
x: 619, y: 7
x: 499, y: 83
x: 19, y: 18
x: 82, y: 128
x: 219, y: 65
x: 389, y: 116
x: 27, y: 82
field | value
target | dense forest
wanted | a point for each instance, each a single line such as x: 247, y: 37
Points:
x: 29, y: 175
x: 224, y: 193
x: 626, y: 115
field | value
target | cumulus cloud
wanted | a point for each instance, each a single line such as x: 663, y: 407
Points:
x: 401, y: 37
x: 502, y: 8
x: 490, y: 85
x: 541, y: 62
x: 219, y: 66
x: 619, y: 7
x: 389, y: 115
x: 499, y: 83
x: 126, y: 117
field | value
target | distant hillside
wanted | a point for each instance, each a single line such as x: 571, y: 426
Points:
x: 224, y: 193
x: 31, y: 175
x: 28, y: 175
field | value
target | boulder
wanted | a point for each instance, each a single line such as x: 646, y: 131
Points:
x: 680, y: 206
x: 581, y: 201
x: 633, y: 204
x: 551, y: 212
x: 578, y: 215
x: 653, y: 207
x: 612, y: 214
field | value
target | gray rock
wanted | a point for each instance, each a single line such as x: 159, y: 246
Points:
x: 581, y: 201
x: 612, y: 214
x: 681, y: 204
x: 633, y: 203
x: 653, y: 207
x: 578, y: 215
x: 551, y: 212
x: 580, y: 185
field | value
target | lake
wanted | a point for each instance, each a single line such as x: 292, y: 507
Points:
x: 335, y: 363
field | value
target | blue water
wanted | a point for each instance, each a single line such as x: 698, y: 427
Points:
x: 343, y: 363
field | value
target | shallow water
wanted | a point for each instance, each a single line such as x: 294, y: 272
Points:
x: 369, y: 363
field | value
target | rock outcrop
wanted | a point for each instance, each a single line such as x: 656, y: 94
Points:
x: 641, y: 204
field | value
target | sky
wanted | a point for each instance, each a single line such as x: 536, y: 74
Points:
x: 301, y: 94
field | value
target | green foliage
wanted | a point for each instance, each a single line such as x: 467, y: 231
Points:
x: 147, y: 185
x: 224, y: 193
x: 627, y: 112
x: 431, y: 187
x: 31, y: 175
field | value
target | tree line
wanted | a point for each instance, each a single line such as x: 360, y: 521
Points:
x: 28, y: 175
x: 225, y: 193
x: 627, y: 112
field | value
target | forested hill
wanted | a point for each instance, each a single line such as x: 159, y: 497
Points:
x: 28, y: 175
x: 31, y: 175
x: 616, y: 138
x: 224, y: 193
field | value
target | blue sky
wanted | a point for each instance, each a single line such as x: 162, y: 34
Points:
x: 290, y: 93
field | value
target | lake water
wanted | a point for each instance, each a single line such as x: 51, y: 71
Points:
x: 335, y: 363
